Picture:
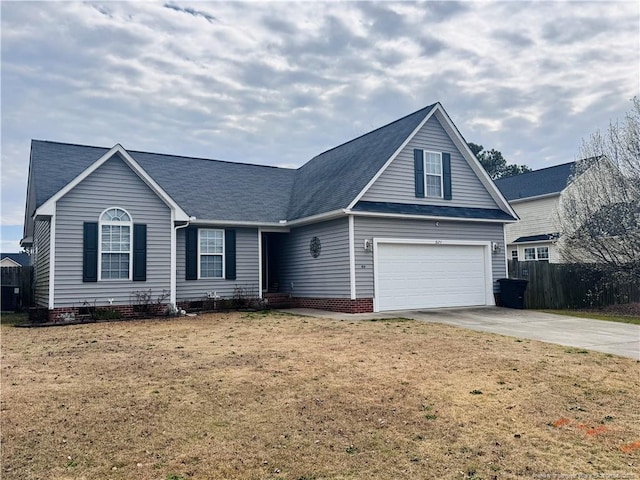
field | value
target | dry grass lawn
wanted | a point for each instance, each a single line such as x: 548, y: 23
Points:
x: 273, y: 396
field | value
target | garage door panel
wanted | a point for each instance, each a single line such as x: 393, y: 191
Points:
x: 428, y: 276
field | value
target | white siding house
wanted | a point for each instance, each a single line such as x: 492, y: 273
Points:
x: 401, y: 217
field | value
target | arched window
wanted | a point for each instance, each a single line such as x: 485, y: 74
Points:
x: 115, y: 244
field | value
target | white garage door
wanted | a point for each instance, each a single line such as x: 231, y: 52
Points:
x: 411, y: 276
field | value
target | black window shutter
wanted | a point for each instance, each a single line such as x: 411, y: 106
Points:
x: 230, y: 254
x: 418, y: 164
x: 139, y: 252
x: 90, y: 252
x: 446, y: 175
x: 191, y: 243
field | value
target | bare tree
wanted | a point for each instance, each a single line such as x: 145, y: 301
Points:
x: 599, y: 212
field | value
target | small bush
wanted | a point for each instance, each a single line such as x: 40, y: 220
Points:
x: 107, y: 314
x: 38, y: 314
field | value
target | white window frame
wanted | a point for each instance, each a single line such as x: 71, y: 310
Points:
x: 514, y: 257
x: 129, y: 224
x: 536, y: 254
x: 426, y: 174
x: 200, y: 254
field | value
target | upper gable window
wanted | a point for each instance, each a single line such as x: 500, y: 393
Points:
x: 433, y: 174
x: 115, y: 244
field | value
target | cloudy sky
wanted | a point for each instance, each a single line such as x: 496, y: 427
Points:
x: 277, y: 83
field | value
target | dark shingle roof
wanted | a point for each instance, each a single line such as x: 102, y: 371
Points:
x: 22, y: 258
x: 207, y: 189
x: 214, y: 189
x: 219, y: 190
x: 537, y: 238
x: 433, y: 210
x: 539, y: 182
x: 53, y: 165
x: 332, y: 179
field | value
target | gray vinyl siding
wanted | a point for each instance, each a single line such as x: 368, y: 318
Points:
x: 41, y: 244
x: 326, y: 276
x: 247, y: 268
x: 369, y: 228
x: 396, y: 184
x: 113, y: 184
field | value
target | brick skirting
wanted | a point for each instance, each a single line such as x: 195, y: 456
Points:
x: 57, y: 315
x: 344, y: 305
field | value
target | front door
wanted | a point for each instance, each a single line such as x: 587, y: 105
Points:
x: 271, y: 254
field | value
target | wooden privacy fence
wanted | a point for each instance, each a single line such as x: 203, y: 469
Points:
x: 17, y: 288
x: 559, y: 285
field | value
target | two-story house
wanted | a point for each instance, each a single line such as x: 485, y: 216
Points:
x: 535, y: 196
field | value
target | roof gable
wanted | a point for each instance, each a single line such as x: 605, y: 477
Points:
x: 334, y: 178
x: 48, y: 207
x: 397, y: 182
x: 16, y: 259
x: 206, y: 189
x: 546, y: 181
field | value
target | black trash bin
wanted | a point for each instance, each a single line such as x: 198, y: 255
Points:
x: 512, y: 292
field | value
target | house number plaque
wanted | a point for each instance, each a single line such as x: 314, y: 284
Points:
x: 315, y: 247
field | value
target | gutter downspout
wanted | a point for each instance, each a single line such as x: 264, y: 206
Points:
x: 174, y: 261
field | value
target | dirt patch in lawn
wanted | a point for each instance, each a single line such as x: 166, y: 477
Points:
x: 281, y: 397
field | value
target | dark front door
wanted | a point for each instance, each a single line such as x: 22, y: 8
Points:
x: 271, y: 255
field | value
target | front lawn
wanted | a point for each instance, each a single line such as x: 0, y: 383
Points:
x: 273, y: 396
x: 11, y: 318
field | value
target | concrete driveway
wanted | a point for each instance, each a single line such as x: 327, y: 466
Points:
x: 609, y: 337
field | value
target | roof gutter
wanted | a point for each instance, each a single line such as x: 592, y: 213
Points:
x: 427, y: 217
x: 536, y: 197
x: 239, y: 223
x: 282, y: 225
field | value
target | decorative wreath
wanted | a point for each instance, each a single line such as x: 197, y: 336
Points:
x: 315, y: 247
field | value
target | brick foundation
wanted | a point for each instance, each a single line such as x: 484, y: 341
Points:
x: 278, y: 300
x: 57, y: 315
x: 344, y: 305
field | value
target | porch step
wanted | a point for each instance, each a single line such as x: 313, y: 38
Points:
x: 277, y: 300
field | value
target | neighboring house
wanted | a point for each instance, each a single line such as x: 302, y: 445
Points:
x: 12, y: 281
x: 401, y: 217
x: 535, y: 196
x: 14, y: 260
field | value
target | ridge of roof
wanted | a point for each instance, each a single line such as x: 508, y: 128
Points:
x: 204, y: 159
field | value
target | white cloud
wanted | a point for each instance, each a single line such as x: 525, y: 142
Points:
x: 279, y: 82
